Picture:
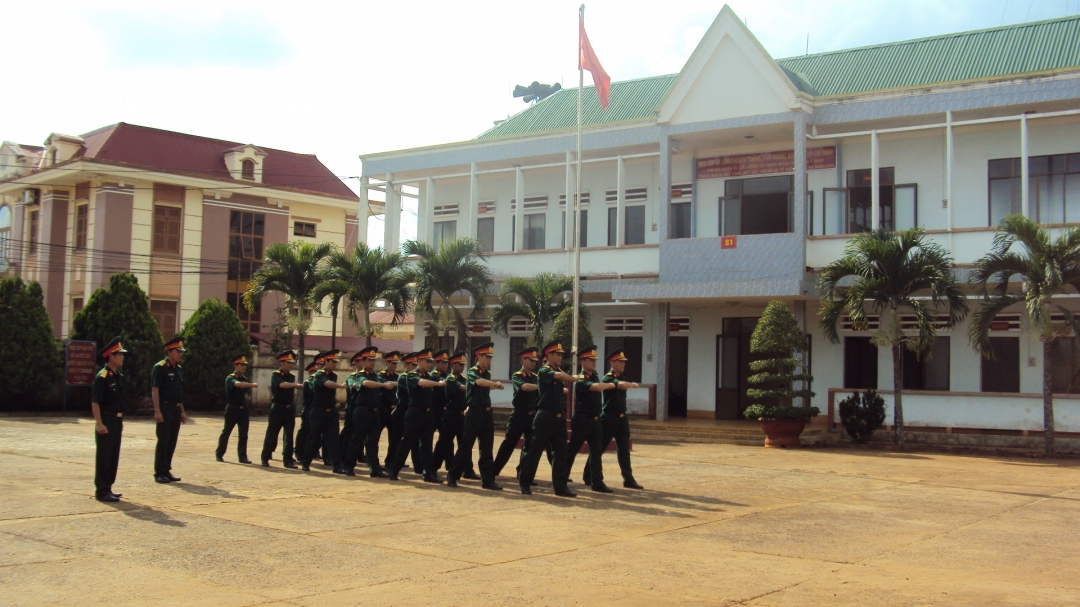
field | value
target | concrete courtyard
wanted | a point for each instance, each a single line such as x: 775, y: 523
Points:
x: 717, y: 525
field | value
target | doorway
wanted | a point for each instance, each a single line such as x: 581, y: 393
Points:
x: 678, y: 374
x: 733, y: 358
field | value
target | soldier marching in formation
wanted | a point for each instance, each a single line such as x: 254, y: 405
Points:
x: 237, y: 388
x: 373, y: 398
x: 167, y: 394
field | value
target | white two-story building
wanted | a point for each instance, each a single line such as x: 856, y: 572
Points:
x: 707, y: 193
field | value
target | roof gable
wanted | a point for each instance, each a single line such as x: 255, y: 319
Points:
x: 729, y: 74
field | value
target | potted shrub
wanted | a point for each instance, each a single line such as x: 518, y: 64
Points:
x: 778, y: 338
x: 861, y: 414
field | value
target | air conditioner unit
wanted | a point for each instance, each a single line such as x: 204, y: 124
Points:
x: 31, y: 196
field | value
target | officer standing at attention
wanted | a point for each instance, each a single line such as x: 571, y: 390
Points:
x: 479, y: 424
x: 613, y: 419
x: 585, y: 425
x: 388, y: 398
x: 549, y: 425
x: 106, y: 401
x: 323, y: 414
x: 452, y: 426
x: 237, y: 387
x: 167, y: 394
x: 418, y: 416
x: 308, y: 396
x: 282, y: 410
x: 366, y: 390
x: 521, y: 418
x: 397, y: 421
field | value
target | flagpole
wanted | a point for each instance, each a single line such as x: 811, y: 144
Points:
x: 577, y: 197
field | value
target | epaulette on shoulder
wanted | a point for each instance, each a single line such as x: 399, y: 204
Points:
x: 518, y: 373
x: 162, y: 363
x: 104, y: 372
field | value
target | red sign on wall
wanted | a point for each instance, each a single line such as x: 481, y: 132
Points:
x: 79, y: 360
x: 764, y: 163
x: 729, y: 242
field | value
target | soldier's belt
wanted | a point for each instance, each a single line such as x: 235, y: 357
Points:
x: 113, y: 413
x: 329, y: 409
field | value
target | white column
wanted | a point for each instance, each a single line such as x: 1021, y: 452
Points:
x: 467, y: 226
x: 948, y: 169
x: 1025, y: 202
x: 519, y: 210
x: 875, y: 183
x: 663, y: 205
x: 425, y: 215
x: 363, y: 212
x: 798, y: 215
x: 392, y: 225
x: 620, y: 202
x: 570, y: 186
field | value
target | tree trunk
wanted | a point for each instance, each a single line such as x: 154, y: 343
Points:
x: 302, y: 366
x: 367, y: 326
x: 333, y: 326
x: 1048, y: 398
x: 898, y: 389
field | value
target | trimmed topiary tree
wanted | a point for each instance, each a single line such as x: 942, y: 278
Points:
x: 562, y: 329
x: 778, y: 336
x: 123, y: 310
x: 861, y: 414
x: 212, y: 336
x: 30, y: 357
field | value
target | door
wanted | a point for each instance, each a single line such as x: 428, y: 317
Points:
x: 733, y: 358
x: 631, y: 347
x: 678, y: 374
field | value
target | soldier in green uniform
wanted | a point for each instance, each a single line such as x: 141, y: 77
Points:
x: 108, y: 408
x: 479, y: 424
x: 308, y: 396
x: 282, y: 410
x: 549, y: 425
x: 438, y: 397
x: 352, y: 395
x: 237, y: 387
x: 388, y: 398
x: 397, y: 418
x: 323, y: 414
x: 520, y: 422
x: 452, y: 426
x: 613, y: 419
x: 417, y: 418
x: 585, y: 425
x: 366, y: 390
x: 167, y: 394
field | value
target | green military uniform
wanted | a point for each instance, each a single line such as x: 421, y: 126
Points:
x: 452, y: 425
x: 549, y: 429
x: 308, y: 396
x: 616, y: 424
x: 236, y: 415
x: 366, y: 426
x: 479, y: 425
x: 108, y: 393
x: 520, y: 422
x: 282, y: 417
x: 169, y: 380
x: 387, y: 402
x: 323, y: 418
x: 417, y: 421
x: 397, y: 422
x: 585, y: 428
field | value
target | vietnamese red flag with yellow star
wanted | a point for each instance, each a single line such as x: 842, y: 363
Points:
x: 587, y: 60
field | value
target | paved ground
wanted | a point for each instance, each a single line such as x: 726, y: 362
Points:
x: 718, y: 525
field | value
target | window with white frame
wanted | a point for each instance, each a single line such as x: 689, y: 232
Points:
x: 444, y: 231
x: 1053, y: 188
x: 624, y: 324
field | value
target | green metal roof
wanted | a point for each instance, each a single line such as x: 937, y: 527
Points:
x: 995, y: 52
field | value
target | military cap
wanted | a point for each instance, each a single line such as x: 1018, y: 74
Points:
x: 587, y: 352
x: 327, y: 355
x: 423, y: 354
x: 442, y: 355
x: 529, y: 353
x: 409, y: 358
x: 369, y: 352
x: 176, y: 343
x: 554, y: 347
x: 287, y: 356
x: 485, y: 349
x: 239, y: 359
x: 112, y: 348
x: 617, y: 355
x: 312, y: 366
x: 392, y: 356
x: 458, y: 359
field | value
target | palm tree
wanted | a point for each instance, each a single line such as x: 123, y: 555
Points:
x: 292, y: 269
x: 538, y: 300
x: 363, y: 277
x: 1047, y: 268
x: 892, y: 271
x: 336, y: 290
x: 456, y: 267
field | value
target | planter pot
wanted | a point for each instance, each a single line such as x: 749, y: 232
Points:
x: 782, y: 432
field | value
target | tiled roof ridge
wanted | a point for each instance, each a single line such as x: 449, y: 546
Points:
x: 231, y: 144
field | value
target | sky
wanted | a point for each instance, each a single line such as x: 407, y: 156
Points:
x: 339, y: 79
